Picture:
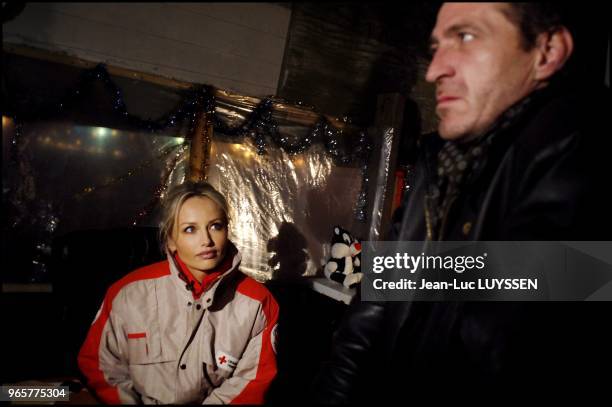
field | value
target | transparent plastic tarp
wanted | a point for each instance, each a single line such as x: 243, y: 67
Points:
x: 62, y: 177
x: 381, y: 163
x: 94, y: 177
x: 286, y: 205
x: 283, y: 207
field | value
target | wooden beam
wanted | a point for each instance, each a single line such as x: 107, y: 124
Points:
x: 199, y: 151
x: 65, y: 59
x: 298, y: 115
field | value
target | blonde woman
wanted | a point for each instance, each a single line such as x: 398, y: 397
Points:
x: 190, y: 329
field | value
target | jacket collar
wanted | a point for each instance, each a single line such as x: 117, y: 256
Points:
x: 184, y: 279
x: 498, y: 136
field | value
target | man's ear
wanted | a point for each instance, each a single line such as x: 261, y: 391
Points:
x: 553, y: 50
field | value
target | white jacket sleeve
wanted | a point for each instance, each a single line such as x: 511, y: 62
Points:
x: 103, y: 357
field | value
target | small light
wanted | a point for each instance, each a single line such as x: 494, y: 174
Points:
x: 101, y: 132
x: 180, y: 140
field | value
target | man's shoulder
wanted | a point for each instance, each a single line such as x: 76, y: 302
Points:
x: 565, y: 117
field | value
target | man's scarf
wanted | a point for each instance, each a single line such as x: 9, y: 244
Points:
x: 457, y: 162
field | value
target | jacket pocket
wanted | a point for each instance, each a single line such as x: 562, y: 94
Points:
x: 145, y: 328
x: 138, y: 347
x: 152, y: 375
x: 145, y: 347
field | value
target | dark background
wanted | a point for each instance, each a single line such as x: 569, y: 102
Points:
x: 339, y: 57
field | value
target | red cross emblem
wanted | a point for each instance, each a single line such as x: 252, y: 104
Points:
x: 222, y: 359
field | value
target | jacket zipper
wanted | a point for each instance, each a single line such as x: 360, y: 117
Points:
x: 428, y: 219
x: 428, y: 223
x: 445, y: 217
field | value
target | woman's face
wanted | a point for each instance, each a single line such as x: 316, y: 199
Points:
x: 199, y: 234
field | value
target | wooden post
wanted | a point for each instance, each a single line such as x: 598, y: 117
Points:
x: 199, y: 153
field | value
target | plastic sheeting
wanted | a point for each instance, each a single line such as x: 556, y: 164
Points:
x: 380, y: 188
x: 283, y: 207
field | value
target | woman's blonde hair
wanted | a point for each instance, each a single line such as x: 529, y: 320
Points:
x: 174, y: 200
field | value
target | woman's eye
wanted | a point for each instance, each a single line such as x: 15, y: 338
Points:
x: 217, y: 226
x: 466, y: 37
x: 189, y: 229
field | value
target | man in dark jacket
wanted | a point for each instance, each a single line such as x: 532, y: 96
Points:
x: 521, y: 154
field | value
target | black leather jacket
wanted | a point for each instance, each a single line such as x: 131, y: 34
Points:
x: 546, y: 178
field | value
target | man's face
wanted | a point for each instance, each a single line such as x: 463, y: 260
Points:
x: 478, y: 66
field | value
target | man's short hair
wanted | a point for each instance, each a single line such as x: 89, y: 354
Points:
x: 536, y: 18
x: 587, y: 25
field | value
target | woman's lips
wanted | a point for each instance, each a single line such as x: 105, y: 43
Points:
x: 207, y: 255
x: 444, y: 99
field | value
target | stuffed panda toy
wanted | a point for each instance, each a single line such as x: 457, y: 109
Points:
x: 344, y: 266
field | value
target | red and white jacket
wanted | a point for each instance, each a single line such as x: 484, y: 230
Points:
x: 153, y: 342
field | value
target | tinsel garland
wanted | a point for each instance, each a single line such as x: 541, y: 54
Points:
x: 161, y: 189
x: 258, y: 126
x: 124, y: 177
